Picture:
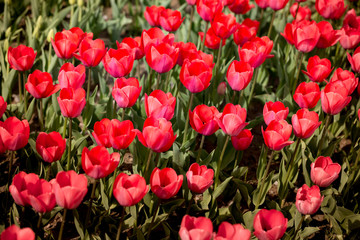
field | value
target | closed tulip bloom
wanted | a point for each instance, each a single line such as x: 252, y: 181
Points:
x: 65, y: 44
x: 207, y: 9
x: 301, y: 13
x: 242, y: 141
x: 304, y: 35
x: 211, y: 40
x: 71, y: 102
x: 191, y: 2
x: 71, y: 76
x: 308, y: 199
x: 186, y: 51
x: 152, y: 15
x: 278, y: 4
x: 165, y: 183
x: 134, y: 44
x: 153, y: 37
x: 277, y: 134
x: 350, y: 37
x: 118, y: 63
x: 307, y: 95
x: 69, y: 188
x: 129, y: 190
x: 14, y: 133
x: 318, y: 69
x: 50, y: 146
x: 157, y: 134
x: 274, y: 111
x: 240, y: 6
x: 193, y: 228
x: 256, y: 51
x: 221, y: 89
x: 101, y: 132
x: 224, y: 25
x: 228, y: 231
x: 195, y: 75
x: 160, y: 105
x: 199, y: 178
x: 40, y: 84
x: 98, y: 162
x: 330, y: 9
x: 162, y: 58
x: 91, y: 52
x: 232, y: 119
x: 170, y: 20
x: 328, y: 36
x: 3, y: 106
x: 305, y: 123
x: 21, y: 58
x: 18, y: 188
x: 126, y: 92
x: 203, y: 119
x: 269, y: 224
x: 354, y: 60
x: 246, y: 31
x: 15, y: 233
x: 121, y: 134
x: 334, y: 97
x: 346, y: 78
x: 262, y: 3
x: 324, y: 171
x: 239, y: 75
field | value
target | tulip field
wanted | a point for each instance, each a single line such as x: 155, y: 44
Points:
x: 180, y: 119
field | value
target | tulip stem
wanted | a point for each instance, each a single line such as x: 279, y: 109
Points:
x: 200, y: 148
x: 158, y: 81
x: 123, y: 114
x: 150, y: 80
x: 153, y: 218
x: 49, y: 59
x: 69, y: 150
x: 299, y: 226
x: 187, y: 118
x: 90, y: 204
x: 271, y: 23
x: 323, y: 135
x: 298, y: 72
x: 38, y: 225
x: 41, y: 115
x: 357, y: 160
x: 20, y: 87
x: 64, y: 129
x: 148, y: 163
x: 88, y: 85
x: 253, y: 85
x: 218, y: 57
x: 190, y: 203
x: 191, y: 21
x: 238, y: 157
x: 25, y: 95
x: 114, y: 111
x: 218, y: 169
x: 203, y: 41
x: 62, y: 225
x: 241, y: 96
x: 12, y: 156
x: 120, y: 224
x: 168, y: 76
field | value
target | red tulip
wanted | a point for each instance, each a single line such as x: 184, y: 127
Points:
x: 246, y: 31
x: 203, y: 119
x: 193, y: 228
x: 262, y: 3
x: 227, y: 2
x: 242, y: 141
x: 191, y: 2
x: 21, y: 58
x: 101, y: 132
x: 224, y: 25
x: 278, y: 4
x: 15, y: 233
x: 305, y: 123
x: 91, y: 52
x: 240, y: 6
x: 207, y: 9
x: 350, y: 37
x: 50, y: 146
x: 40, y: 84
x: 277, y: 134
x: 98, y: 162
x: 65, y: 44
x: 14, y: 133
x: 71, y: 102
x: 211, y: 40
x: 269, y: 224
x: 81, y: 34
x: 274, y: 111
x: 354, y: 60
x: 3, y: 106
x: 186, y: 51
x: 347, y: 79
x: 256, y: 51
x: 195, y: 75
x: 165, y: 183
x: 129, y: 190
x: 318, y: 69
x: 330, y: 9
x: 118, y: 63
x: 301, y: 13
x: 157, y: 134
x: 221, y: 89
x: 121, y: 134
x: 153, y: 37
x: 152, y: 15
x: 207, y: 58
x: 324, y: 171
x: 334, y: 97
x: 170, y: 20
x: 160, y: 105
x: 228, y: 231
x: 162, y: 58
x: 199, y: 178
x: 328, y: 36
x: 71, y: 77
x: 307, y: 95
x: 308, y: 200
x: 69, y: 188
x: 304, y: 35
x: 232, y: 119
x: 134, y: 44
x: 126, y: 92
x: 239, y: 75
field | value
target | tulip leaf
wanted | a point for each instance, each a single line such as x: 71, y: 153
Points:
x: 261, y: 191
x: 30, y: 110
x: 78, y: 225
x: 104, y: 197
x: 220, y: 189
x: 308, y: 231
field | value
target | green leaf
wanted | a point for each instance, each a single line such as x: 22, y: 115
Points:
x: 308, y: 231
x: 220, y: 189
x: 261, y: 191
x: 30, y: 110
x: 78, y: 225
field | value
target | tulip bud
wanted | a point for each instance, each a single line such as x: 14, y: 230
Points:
x: 80, y: 3
x: 37, y: 27
x: 6, y: 44
x: 8, y: 2
x: 221, y: 89
x: 8, y: 32
x: 50, y: 35
x: 71, y: 2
